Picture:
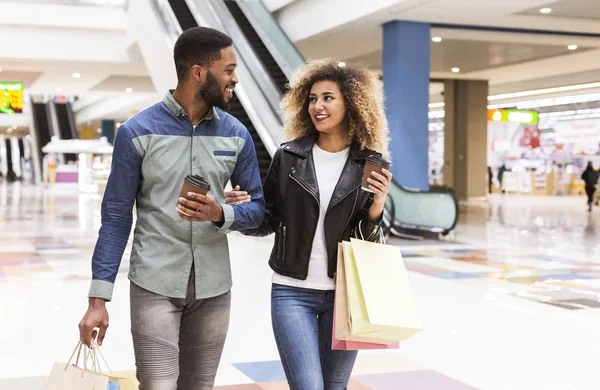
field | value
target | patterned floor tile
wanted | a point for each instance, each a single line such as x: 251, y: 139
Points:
x: 421, y: 380
x: 281, y: 385
x: 270, y: 371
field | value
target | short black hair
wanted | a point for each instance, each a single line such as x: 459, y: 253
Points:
x: 198, y: 46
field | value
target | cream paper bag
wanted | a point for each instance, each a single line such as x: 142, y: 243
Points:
x: 380, y: 300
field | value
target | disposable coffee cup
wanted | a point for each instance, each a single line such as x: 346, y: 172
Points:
x: 196, y: 184
x: 373, y: 163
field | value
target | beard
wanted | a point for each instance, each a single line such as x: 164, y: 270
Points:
x: 212, y: 93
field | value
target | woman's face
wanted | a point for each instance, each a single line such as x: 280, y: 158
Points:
x: 326, y: 107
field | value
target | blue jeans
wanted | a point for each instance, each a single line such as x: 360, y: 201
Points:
x: 303, y: 325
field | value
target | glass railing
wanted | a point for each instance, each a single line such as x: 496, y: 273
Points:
x: 279, y: 45
x: 434, y: 211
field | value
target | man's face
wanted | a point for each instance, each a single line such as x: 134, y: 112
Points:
x: 220, y: 80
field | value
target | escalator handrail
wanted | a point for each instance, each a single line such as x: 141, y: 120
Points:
x: 169, y: 21
x: 256, y: 12
x: 441, y: 190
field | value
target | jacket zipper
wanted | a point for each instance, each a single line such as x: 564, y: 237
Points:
x: 283, y: 251
x: 279, y: 241
x: 318, y: 204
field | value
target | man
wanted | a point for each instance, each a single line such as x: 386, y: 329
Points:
x: 180, y: 272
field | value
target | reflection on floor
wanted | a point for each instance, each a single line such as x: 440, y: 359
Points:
x: 512, y: 302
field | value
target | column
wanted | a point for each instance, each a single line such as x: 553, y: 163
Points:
x: 465, y: 137
x: 108, y: 129
x: 406, y: 63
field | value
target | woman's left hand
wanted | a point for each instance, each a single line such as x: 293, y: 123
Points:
x: 381, y: 186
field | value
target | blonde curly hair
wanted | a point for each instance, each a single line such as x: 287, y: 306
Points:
x: 363, y: 97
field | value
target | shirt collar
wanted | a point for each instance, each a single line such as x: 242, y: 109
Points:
x: 176, y: 108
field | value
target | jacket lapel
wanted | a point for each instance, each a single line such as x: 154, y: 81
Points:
x: 304, y: 171
x: 350, y: 180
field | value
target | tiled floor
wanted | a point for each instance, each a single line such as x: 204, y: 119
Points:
x: 512, y: 302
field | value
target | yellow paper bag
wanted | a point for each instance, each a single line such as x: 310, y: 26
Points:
x: 380, y: 300
x: 341, y: 312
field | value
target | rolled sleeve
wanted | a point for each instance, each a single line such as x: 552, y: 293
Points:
x: 101, y: 289
x: 229, y: 217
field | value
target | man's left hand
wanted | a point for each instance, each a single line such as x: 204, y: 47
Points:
x: 201, y: 208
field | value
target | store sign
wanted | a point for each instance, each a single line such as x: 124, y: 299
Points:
x: 513, y: 116
x: 524, y: 117
x: 583, y: 132
x: 11, y: 98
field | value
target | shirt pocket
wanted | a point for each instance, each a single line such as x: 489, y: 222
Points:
x: 224, y: 153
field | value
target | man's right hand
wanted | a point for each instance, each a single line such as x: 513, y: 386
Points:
x: 95, y: 317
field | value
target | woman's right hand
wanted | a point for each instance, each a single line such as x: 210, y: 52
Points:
x: 237, y: 197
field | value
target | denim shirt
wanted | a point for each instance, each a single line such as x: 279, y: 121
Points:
x: 154, y: 151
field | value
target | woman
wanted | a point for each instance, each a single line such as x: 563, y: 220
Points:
x: 590, y: 177
x: 334, y: 116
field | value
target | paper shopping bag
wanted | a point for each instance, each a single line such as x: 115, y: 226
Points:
x: 72, y: 377
x: 380, y: 300
x: 341, y: 337
x: 66, y: 376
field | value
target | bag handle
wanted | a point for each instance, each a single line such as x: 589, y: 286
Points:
x: 377, y: 229
x: 91, y: 353
x: 96, y: 349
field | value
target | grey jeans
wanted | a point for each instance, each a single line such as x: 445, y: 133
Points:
x: 178, y: 342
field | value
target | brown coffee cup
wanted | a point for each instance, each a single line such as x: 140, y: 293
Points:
x: 196, y: 184
x: 373, y: 163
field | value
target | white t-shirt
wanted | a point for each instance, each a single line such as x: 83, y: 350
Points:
x: 329, y: 167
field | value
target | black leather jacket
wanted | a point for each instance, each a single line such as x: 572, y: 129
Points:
x: 292, y: 208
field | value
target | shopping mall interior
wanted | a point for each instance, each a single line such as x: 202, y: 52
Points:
x: 494, y: 113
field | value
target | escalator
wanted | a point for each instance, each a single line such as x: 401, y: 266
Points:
x: 273, y: 69
x: 66, y: 126
x: 41, y: 122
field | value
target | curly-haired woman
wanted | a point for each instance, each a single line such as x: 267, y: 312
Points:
x: 334, y: 118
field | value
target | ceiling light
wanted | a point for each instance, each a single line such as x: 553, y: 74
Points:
x: 544, y: 91
x: 573, y: 47
x: 128, y: 89
x: 0, y: 69
x: 546, y: 10
x: 455, y: 70
x: 436, y: 39
x: 76, y: 75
